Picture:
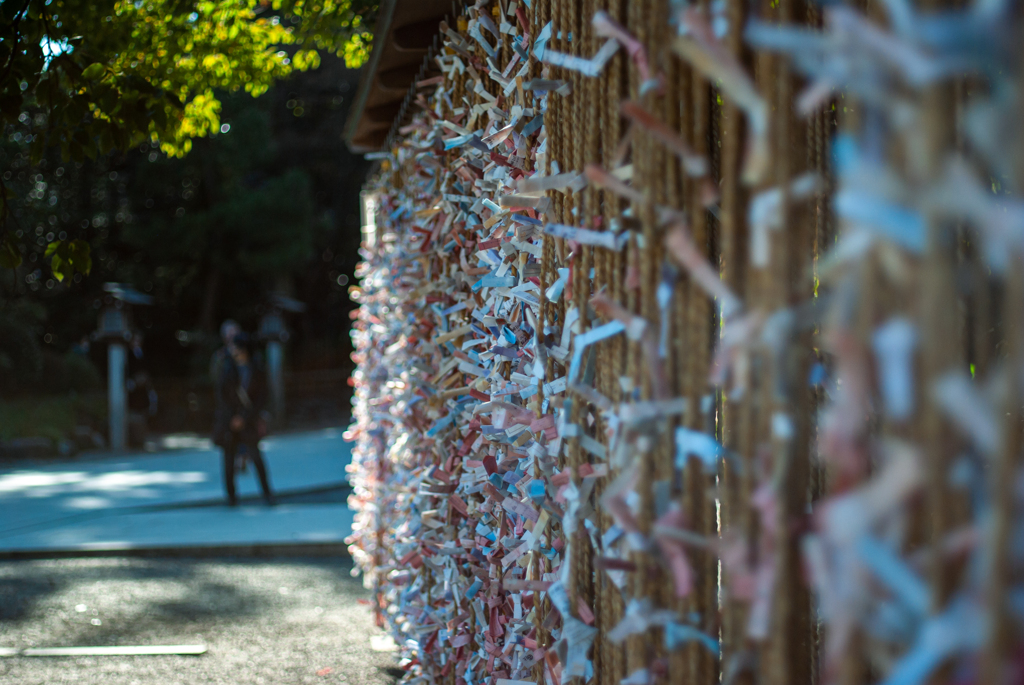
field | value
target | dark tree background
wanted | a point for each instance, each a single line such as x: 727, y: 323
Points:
x: 271, y: 204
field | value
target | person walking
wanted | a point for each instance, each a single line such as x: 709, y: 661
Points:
x: 228, y: 330
x: 218, y: 362
x: 241, y: 418
x: 141, y: 393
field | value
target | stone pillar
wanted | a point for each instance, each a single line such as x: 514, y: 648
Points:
x: 116, y: 397
x: 275, y: 379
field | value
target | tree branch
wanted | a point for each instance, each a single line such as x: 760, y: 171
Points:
x: 17, y: 39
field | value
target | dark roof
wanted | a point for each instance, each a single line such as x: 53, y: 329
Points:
x: 402, y: 40
x: 125, y: 293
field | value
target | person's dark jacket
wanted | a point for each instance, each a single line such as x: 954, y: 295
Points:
x: 230, y: 402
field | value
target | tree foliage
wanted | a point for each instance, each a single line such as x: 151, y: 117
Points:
x: 93, y: 76
x: 235, y: 214
x: 152, y: 222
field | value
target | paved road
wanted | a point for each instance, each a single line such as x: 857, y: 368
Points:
x: 280, y: 622
x: 175, y: 499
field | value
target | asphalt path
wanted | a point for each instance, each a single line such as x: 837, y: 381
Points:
x: 175, y: 499
x: 264, y: 622
x: 46, y: 491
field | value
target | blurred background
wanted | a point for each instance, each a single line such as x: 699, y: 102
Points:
x: 268, y: 207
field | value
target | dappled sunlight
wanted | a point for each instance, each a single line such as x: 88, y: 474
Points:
x: 183, y: 442
x: 25, y: 480
x: 43, y: 484
x: 88, y: 503
x: 176, y: 499
x: 308, y: 441
x: 125, y: 480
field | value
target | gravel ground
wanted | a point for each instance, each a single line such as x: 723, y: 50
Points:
x: 264, y: 622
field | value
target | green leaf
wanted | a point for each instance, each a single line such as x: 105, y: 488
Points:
x: 80, y: 256
x: 306, y: 59
x: 94, y: 71
x: 67, y: 258
x: 59, y: 268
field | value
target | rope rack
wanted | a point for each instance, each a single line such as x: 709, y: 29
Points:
x: 689, y: 347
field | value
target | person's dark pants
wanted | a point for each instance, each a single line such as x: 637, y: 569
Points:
x: 252, y: 451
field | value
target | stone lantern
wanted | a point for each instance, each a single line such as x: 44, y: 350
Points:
x: 274, y: 332
x: 115, y: 328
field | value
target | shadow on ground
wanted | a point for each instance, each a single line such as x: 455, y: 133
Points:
x: 264, y: 621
